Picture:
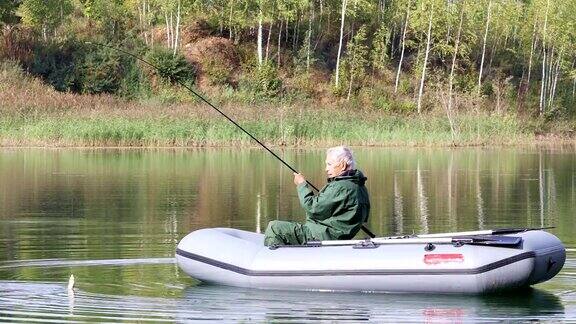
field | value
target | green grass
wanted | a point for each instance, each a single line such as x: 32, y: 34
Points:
x: 318, y: 128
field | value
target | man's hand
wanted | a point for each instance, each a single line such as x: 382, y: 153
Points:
x: 298, y: 179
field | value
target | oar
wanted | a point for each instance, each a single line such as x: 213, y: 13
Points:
x: 505, y: 241
x: 501, y: 231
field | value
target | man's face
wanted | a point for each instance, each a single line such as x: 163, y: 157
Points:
x: 334, y: 167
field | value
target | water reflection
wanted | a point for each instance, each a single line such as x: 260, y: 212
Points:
x: 398, y: 208
x: 422, y: 201
x: 204, y: 302
x: 94, y: 203
x: 69, y: 211
x: 291, y: 305
x: 479, y: 199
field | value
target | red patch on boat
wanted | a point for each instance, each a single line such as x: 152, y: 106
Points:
x: 438, y: 258
x: 444, y: 312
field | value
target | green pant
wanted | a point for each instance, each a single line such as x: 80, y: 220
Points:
x: 286, y: 233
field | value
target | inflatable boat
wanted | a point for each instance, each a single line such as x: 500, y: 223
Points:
x: 465, y: 262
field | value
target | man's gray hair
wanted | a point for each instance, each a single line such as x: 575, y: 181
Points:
x: 342, y: 153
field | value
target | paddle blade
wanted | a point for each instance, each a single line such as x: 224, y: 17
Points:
x: 491, y: 240
x: 502, y: 231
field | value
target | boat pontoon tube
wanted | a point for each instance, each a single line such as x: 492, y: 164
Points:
x: 239, y: 258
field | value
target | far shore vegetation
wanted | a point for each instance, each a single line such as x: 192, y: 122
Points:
x: 291, y: 72
x: 34, y: 114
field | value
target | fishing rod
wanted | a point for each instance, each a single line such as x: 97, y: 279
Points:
x: 364, y: 228
x: 205, y: 101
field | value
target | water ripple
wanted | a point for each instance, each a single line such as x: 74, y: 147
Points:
x: 83, y: 263
x: 49, y: 302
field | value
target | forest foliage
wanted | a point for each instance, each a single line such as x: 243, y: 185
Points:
x: 405, y: 56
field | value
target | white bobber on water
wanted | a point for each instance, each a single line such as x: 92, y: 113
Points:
x: 71, y: 283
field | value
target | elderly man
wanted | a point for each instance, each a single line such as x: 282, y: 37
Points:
x: 337, y: 212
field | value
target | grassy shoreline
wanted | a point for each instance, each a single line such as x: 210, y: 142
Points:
x: 310, y: 129
x: 34, y: 114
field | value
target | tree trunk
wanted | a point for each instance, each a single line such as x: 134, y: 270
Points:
x: 344, y: 3
x: 484, y: 47
x: 541, y: 108
x: 268, y: 41
x: 421, y: 91
x: 230, y: 19
x: 278, y: 60
x: 150, y: 35
x: 403, y: 46
x: 550, y: 75
x: 392, y: 42
x: 286, y: 32
x: 259, y: 39
x: 177, y: 28
x: 555, y: 82
x: 573, y: 82
x: 492, y: 54
x: 296, y: 33
x: 453, y: 67
x: 573, y: 88
x: 543, y: 83
x: 140, y: 20
x: 532, y: 47
x: 309, y: 45
x: 143, y: 22
x: 171, y: 29
x: 168, y: 44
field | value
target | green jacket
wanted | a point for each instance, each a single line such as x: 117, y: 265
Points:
x: 339, y: 209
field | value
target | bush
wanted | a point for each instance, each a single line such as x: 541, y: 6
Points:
x: 11, y: 69
x: 172, y: 67
x: 16, y: 44
x: 56, y: 64
x: 405, y: 106
x: 382, y: 103
x: 216, y: 72
x: 264, y: 80
x: 135, y: 84
x: 466, y: 82
x: 103, y: 70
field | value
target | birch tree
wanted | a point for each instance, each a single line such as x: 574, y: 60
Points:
x: 488, y: 11
x: 172, y: 10
x: 45, y: 15
x: 428, y: 40
x: 343, y: 16
x: 454, y: 56
x: 403, y: 41
x: 542, y: 95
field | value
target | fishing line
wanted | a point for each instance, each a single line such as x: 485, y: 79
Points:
x: 205, y: 101
x: 366, y: 230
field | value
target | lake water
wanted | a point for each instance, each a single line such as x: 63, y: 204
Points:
x: 113, y: 217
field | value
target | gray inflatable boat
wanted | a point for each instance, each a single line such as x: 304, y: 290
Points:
x: 465, y: 262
